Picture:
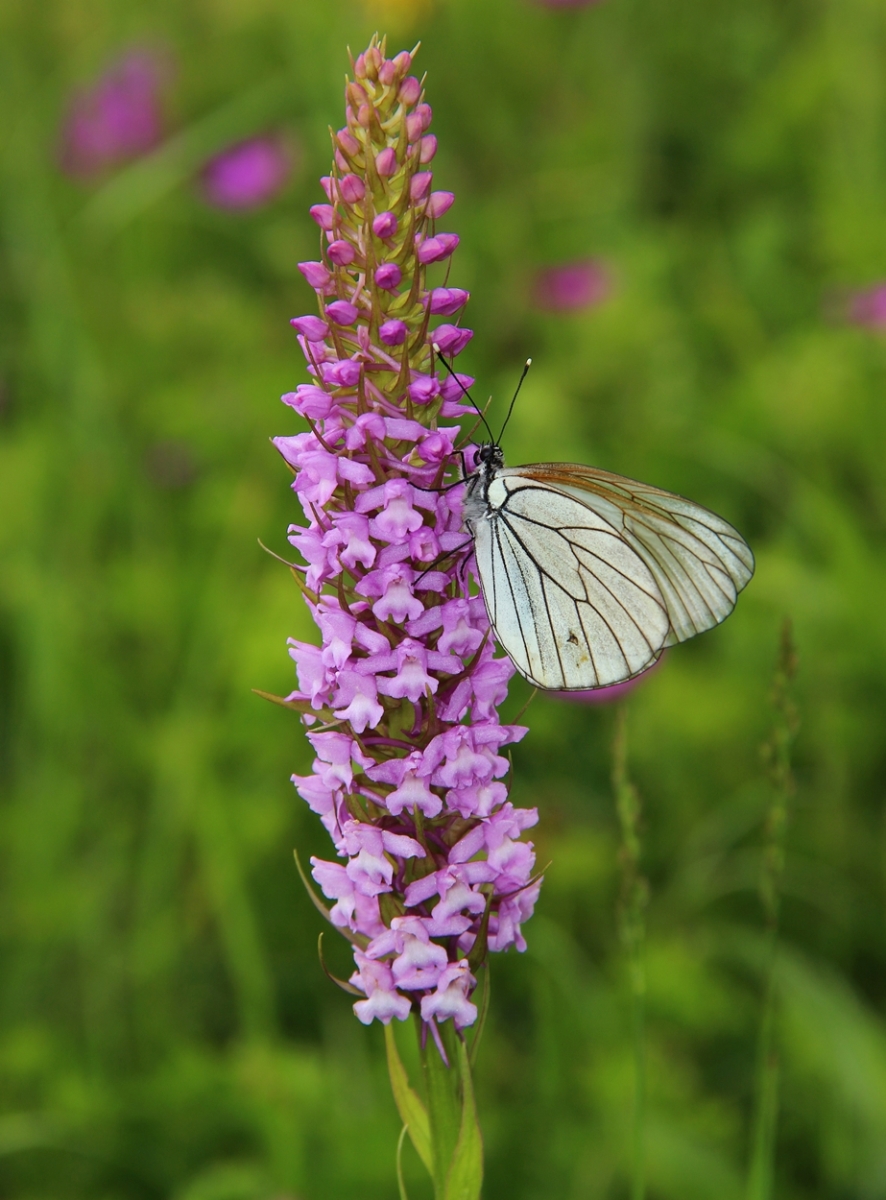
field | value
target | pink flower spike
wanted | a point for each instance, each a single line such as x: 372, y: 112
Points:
x: 400, y: 696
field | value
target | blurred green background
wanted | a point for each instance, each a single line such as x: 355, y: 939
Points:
x: 166, y: 1028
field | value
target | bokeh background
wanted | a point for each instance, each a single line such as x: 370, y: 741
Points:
x: 714, y: 174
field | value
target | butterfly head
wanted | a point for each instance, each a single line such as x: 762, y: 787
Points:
x: 490, y: 458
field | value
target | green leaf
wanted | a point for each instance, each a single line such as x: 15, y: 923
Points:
x: 401, y: 1182
x: 343, y: 984
x: 465, y: 1177
x: 481, y: 1020
x: 412, y: 1112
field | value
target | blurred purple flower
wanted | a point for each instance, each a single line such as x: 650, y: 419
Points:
x: 868, y: 307
x: 118, y: 118
x: 577, y: 285
x: 248, y: 174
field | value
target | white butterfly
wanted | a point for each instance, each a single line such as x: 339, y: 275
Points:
x: 588, y: 576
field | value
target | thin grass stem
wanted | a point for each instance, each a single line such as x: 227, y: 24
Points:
x: 632, y: 927
x: 777, y: 753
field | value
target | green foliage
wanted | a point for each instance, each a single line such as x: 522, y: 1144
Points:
x: 166, y: 1030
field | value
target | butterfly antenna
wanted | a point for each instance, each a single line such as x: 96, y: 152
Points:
x: 514, y: 401
x: 439, y: 353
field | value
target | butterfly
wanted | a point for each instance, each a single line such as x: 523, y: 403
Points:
x: 587, y: 576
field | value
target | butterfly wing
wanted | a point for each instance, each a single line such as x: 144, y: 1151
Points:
x: 571, y: 601
x: 699, y: 562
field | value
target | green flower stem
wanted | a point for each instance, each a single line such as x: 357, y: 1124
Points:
x: 632, y: 921
x: 446, y: 1133
x: 777, y: 751
x: 457, y: 1147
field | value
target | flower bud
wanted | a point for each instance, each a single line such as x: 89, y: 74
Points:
x: 388, y: 277
x: 410, y: 90
x: 439, y: 203
x: 414, y: 127
x: 424, y: 388
x: 372, y: 59
x: 344, y: 373
x: 356, y: 95
x: 435, y: 249
x: 317, y: 274
x: 427, y: 148
x: 425, y: 112
x: 386, y: 162
x: 312, y: 328
x: 445, y: 301
x: 393, y: 333
x: 341, y: 253
x: 352, y: 189
x: 402, y: 63
x: 450, y: 339
x: 342, y: 312
x: 347, y: 141
x: 323, y: 214
x: 420, y: 185
x: 384, y: 225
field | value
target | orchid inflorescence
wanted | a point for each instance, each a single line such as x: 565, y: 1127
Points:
x: 401, y: 696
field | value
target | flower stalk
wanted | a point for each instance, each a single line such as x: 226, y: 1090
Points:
x: 777, y: 756
x: 401, y: 696
x: 632, y: 927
